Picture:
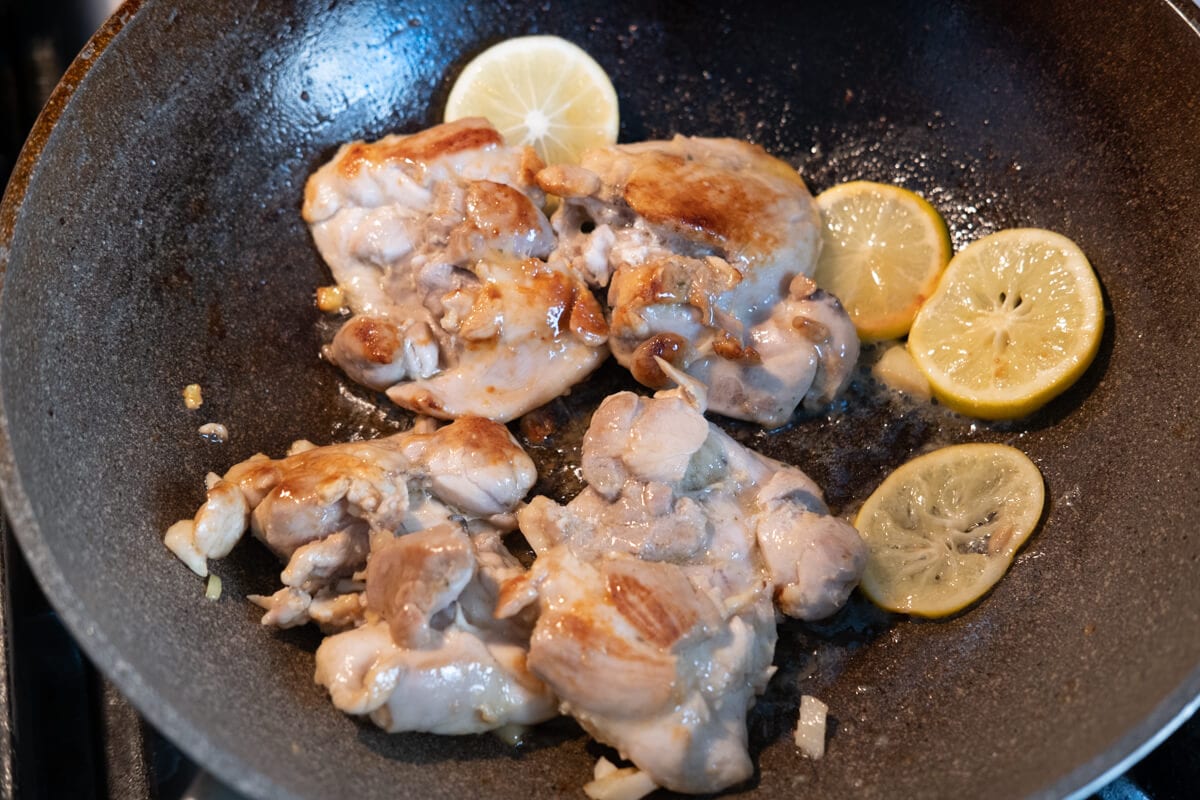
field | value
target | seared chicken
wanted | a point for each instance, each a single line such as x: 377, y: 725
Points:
x: 409, y: 481
x: 705, y: 246
x: 649, y: 614
x: 431, y: 656
x: 396, y: 545
x: 439, y: 244
x: 655, y: 584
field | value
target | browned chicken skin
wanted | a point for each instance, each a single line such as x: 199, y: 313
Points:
x: 439, y: 244
x: 393, y: 546
x: 705, y: 246
x: 655, y: 585
x: 411, y: 578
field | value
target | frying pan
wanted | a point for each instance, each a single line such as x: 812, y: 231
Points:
x: 150, y: 238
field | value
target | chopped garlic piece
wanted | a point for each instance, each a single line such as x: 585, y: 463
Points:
x: 511, y: 734
x: 191, y: 396
x: 214, y: 432
x: 810, y: 730
x: 213, y: 590
x: 180, y: 540
x: 423, y: 424
x: 897, y: 370
x: 330, y: 299
x: 629, y: 783
x: 603, y: 768
x: 300, y: 446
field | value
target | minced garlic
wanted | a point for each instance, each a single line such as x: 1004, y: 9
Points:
x: 191, y: 396
x: 810, y: 729
x: 330, y: 299
x: 214, y: 432
x: 611, y: 783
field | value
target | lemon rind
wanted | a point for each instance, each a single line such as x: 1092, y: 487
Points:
x: 895, y: 323
x: 890, y: 595
x: 1001, y: 404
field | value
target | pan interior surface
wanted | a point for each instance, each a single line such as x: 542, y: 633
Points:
x: 157, y: 242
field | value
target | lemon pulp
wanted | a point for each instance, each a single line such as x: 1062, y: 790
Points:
x: 882, y: 250
x: 541, y: 91
x: 1016, y: 318
x: 943, y: 528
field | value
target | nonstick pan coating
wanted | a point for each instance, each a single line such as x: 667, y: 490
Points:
x: 151, y: 238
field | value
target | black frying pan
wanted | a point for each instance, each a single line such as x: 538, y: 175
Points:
x: 151, y: 238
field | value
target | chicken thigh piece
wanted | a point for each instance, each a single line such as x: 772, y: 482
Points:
x: 394, y: 546
x: 317, y: 507
x: 467, y: 684
x: 431, y: 656
x: 644, y: 658
x: 438, y: 242
x: 655, y: 584
x: 705, y: 246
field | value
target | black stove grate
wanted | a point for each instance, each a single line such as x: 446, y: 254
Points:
x: 65, y: 730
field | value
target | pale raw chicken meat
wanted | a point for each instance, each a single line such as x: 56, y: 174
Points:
x: 334, y: 496
x: 431, y: 655
x: 706, y: 246
x: 655, y: 585
x: 394, y: 546
x: 439, y: 244
x: 466, y: 684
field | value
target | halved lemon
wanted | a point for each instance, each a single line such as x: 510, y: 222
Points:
x: 542, y: 91
x: 943, y: 528
x: 1016, y: 319
x: 882, y: 250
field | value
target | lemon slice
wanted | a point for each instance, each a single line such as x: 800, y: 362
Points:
x: 541, y: 91
x: 1014, y: 321
x: 943, y: 528
x: 882, y: 250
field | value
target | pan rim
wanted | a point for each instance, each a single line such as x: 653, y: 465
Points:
x: 1175, y: 708
x: 198, y: 745
x: 1174, y: 719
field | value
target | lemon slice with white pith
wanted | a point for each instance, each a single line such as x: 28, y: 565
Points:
x: 541, y: 91
x: 1016, y: 318
x: 943, y: 529
x: 882, y: 250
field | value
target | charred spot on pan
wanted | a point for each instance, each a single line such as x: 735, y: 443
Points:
x: 216, y: 321
x: 177, y: 278
x: 543, y: 424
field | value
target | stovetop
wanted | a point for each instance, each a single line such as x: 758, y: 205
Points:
x: 65, y: 731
